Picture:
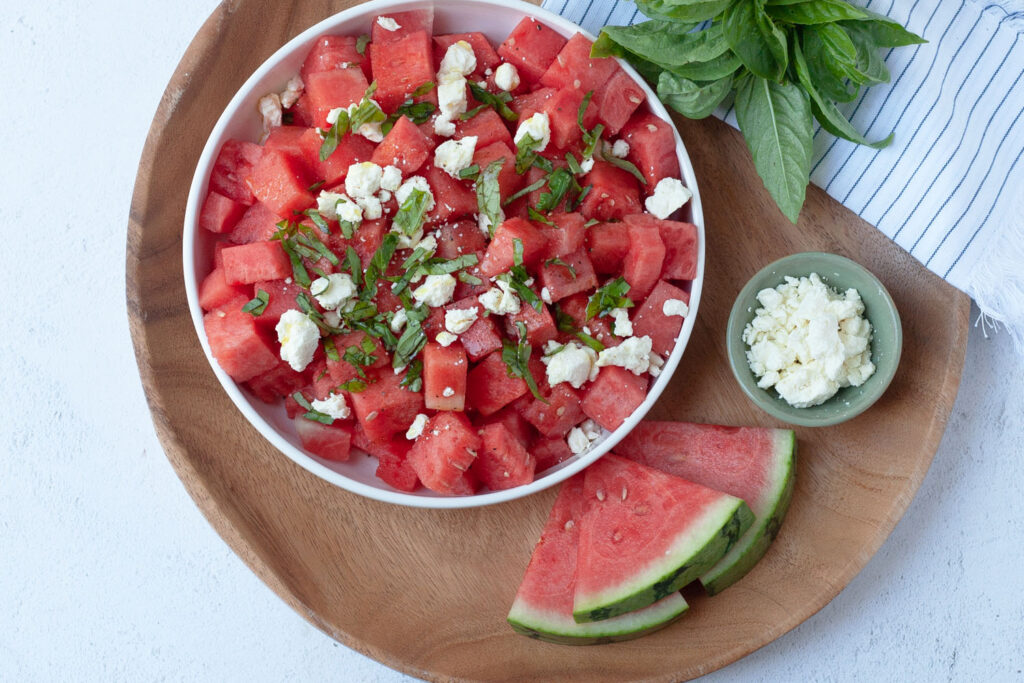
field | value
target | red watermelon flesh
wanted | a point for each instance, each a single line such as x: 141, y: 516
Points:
x: 752, y: 463
x: 544, y: 602
x: 645, y: 535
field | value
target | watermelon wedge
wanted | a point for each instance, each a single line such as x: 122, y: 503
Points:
x: 645, y: 535
x: 752, y: 463
x: 543, y: 605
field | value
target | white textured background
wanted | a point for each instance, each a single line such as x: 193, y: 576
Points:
x: 109, y: 572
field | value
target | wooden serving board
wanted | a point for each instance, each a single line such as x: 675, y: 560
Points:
x: 426, y: 592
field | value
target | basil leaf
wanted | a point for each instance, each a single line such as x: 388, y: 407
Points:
x: 312, y: 415
x: 719, y: 67
x: 488, y: 193
x: 525, y: 191
x: 413, y: 380
x: 559, y: 183
x: 379, y: 265
x: 838, y: 43
x: 752, y: 36
x: 560, y: 262
x: 353, y: 386
x: 815, y: 12
x: 257, y: 305
x: 517, y: 360
x: 605, y: 298
x: 318, y: 220
x: 353, y: 265
x: 692, y: 99
x: 885, y: 32
x: 467, y: 115
x: 413, y: 338
x: 330, y: 350
x: 423, y: 89
x: 826, y: 56
x: 625, y: 165
x: 497, y: 102
x: 694, y: 11
x: 333, y: 134
x: 664, y: 43
x: 590, y: 341
x: 537, y: 216
x: 775, y: 119
x: 410, y: 216
x: 828, y: 115
x: 526, y: 152
x: 470, y: 172
x: 870, y: 68
x: 361, y: 43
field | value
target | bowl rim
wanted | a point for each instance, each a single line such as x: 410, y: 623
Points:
x: 242, y: 402
x: 736, y: 352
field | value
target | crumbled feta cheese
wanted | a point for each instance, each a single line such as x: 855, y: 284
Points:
x: 573, y: 363
x: 334, y: 290
x: 388, y: 24
x: 623, y: 326
x: 675, y: 307
x: 363, y: 179
x: 338, y: 206
x: 448, y: 392
x: 444, y: 127
x: 332, y: 318
x: 371, y: 130
x: 399, y: 320
x: 428, y: 243
x: 436, y: 291
x: 417, y: 426
x: 332, y: 116
x: 451, y: 98
x: 506, y: 77
x: 669, y: 195
x: 809, y: 341
x: 587, y: 165
x: 581, y: 438
x: 332, y: 406
x: 292, y: 91
x: 298, y: 336
x: 657, y: 363
x: 445, y: 338
x: 634, y: 354
x: 545, y: 295
x: 458, y: 320
x: 416, y: 182
x: 270, y: 109
x: 371, y: 207
x: 459, y: 60
x: 452, y: 156
x: 537, y: 127
x: 620, y: 149
x: 500, y: 300
x: 390, y: 178
x: 591, y: 429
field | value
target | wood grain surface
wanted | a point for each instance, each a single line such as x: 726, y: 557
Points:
x: 426, y: 592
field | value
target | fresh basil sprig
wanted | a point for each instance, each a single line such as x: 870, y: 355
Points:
x: 787, y: 62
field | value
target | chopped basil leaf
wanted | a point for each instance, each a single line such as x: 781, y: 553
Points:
x: 526, y: 152
x: 470, y: 172
x: 379, y: 265
x: 361, y: 43
x: 467, y: 115
x: 543, y: 164
x: 365, y: 112
x: 488, y: 193
x: 563, y: 321
x: 623, y: 164
x: 498, y: 102
x: 536, y: 215
x: 413, y: 380
x: 611, y: 295
x: 517, y: 251
x: 257, y: 305
x: 319, y: 248
x: 318, y: 220
x: 423, y: 89
x: 359, y: 358
x: 525, y: 191
x: 590, y: 137
x: 413, y: 338
x: 316, y: 186
x: 411, y: 214
x: 468, y: 279
x: 353, y: 265
x: 312, y: 415
x: 354, y: 386
x: 517, y: 360
x: 559, y: 183
x: 330, y: 350
x: 590, y: 341
x: 560, y: 262
x: 583, y: 195
x: 591, y: 222
x: 299, y: 273
x: 574, y: 165
x: 333, y: 134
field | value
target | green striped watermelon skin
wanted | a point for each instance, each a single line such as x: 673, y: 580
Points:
x: 645, y: 535
x: 756, y: 464
x: 543, y: 605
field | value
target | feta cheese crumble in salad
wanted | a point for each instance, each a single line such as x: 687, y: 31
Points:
x: 460, y: 260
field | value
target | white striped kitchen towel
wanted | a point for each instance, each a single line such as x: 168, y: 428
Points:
x: 950, y: 189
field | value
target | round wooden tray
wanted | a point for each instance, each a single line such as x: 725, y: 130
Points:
x: 425, y: 591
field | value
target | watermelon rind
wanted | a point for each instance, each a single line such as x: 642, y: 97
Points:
x: 693, y: 552
x: 752, y: 546
x: 557, y: 628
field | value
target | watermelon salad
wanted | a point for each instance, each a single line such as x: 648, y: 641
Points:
x: 458, y: 257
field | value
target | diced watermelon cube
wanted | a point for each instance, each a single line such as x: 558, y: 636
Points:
x: 233, y: 168
x: 500, y: 255
x: 453, y: 198
x: 393, y: 466
x: 461, y: 237
x: 574, y: 68
x: 489, y: 387
x: 531, y: 47
x: 550, y: 452
x: 332, y: 52
x: 644, y: 260
x: 277, y: 382
x: 285, y: 139
x: 444, y: 452
x: 408, y: 22
x: 341, y: 370
x: 281, y: 181
x: 528, y: 104
x: 219, y: 213
x: 680, y: 245
x: 240, y: 348
x: 607, y: 244
x: 486, y: 57
x: 563, y: 115
x: 508, y: 180
x: 322, y: 384
x: 444, y: 377
x: 652, y: 148
x: 540, y: 326
x: 511, y: 417
x: 482, y: 337
x: 404, y: 146
x: 248, y: 263
x: 330, y: 442
x: 351, y: 149
x: 400, y: 67
x: 562, y: 281
x: 503, y: 462
x: 616, y: 100
x: 257, y: 224
x: 384, y: 408
x: 215, y: 290
x: 613, y: 396
x: 615, y: 193
x: 561, y: 413
x: 650, y: 319
x: 487, y: 126
x: 329, y: 90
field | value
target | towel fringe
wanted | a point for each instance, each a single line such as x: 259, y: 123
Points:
x: 997, y: 283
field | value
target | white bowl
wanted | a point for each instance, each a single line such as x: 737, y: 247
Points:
x: 494, y: 18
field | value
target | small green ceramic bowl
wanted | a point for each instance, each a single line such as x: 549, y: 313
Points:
x: 840, y: 274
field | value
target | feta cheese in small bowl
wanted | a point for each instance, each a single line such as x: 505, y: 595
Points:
x: 814, y: 339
